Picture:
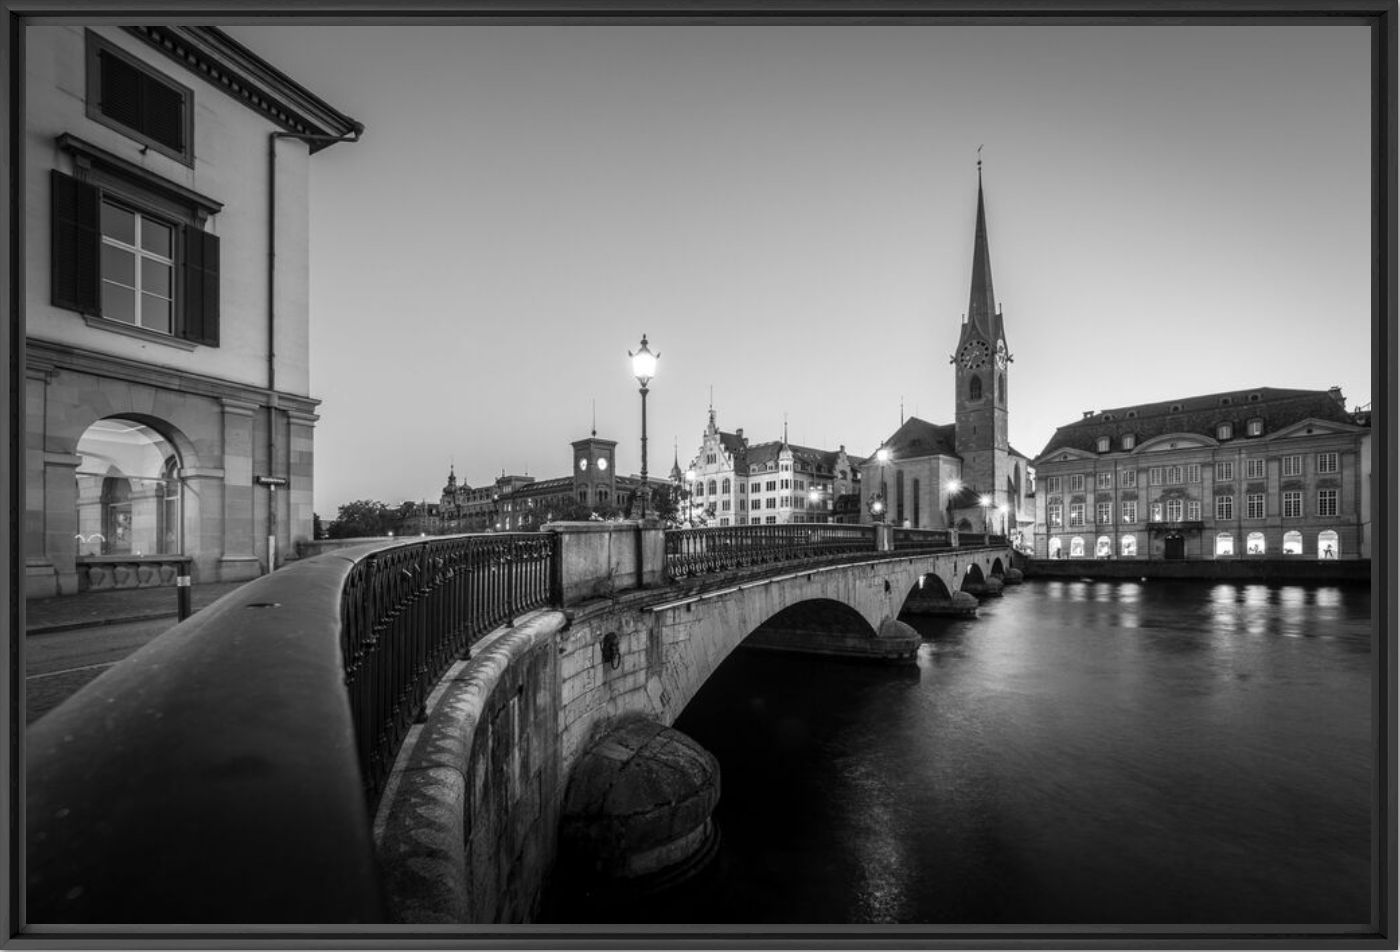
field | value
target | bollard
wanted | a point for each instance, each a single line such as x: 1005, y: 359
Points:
x: 182, y: 595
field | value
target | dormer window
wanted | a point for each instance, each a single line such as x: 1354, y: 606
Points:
x: 1103, y: 443
x: 1224, y: 431
x: 1254, y: 427
x: 1129, y: 441
x: 1224, y: 401
x: 1176, y: 408
x: 1132, y: 414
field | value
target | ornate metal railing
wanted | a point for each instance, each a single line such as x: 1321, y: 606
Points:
x: 693, y: 552
x: 922, y: 538
x: 409, y: 612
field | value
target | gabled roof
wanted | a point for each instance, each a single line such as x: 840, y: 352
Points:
x: 1200, y: 415
x: 806, y: 457
x: 916, y: 437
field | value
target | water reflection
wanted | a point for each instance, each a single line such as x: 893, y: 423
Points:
x: 1136, y: 752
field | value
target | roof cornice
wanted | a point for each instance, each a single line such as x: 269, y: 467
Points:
x: 210, y: 52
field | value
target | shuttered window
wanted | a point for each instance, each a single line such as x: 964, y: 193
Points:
x: 128, y: 95
x: 113, y: 258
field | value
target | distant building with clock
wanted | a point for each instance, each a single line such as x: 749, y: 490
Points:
x: 1245, y: 474
x: 927, y: 475
x: 514, y: 503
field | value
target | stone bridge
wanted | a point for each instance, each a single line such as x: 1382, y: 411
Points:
x: 545, y: 744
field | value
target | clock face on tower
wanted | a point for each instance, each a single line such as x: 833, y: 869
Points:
x: 602, y: 464
x: 1001, y: 355
x: 974, y: 355
x: 582, y: 465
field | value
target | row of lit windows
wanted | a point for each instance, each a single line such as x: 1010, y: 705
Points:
x: 1189, y: 510
x: 772, y: 485
x: 1190, y: 473
x: 1328, y: 545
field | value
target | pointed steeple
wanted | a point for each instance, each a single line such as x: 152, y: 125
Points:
x: 981, y: 305
x: 676, y: 461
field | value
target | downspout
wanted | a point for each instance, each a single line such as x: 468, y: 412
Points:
x: 357, y: 129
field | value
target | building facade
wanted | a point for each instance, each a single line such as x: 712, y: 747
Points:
x: 964, y: 475
x: 733, y: 482
x: 1261, y: 473
x: 168, y: 408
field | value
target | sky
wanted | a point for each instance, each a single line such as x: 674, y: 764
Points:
x: 787, y: 211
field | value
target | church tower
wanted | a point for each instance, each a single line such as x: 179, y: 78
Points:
x: 981, y: 364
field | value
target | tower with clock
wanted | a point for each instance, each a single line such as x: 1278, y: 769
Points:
x: 595, y: 480
x: 981, y: 364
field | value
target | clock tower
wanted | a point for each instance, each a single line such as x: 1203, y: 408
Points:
x: 980, y: 371
x: 595, y: 480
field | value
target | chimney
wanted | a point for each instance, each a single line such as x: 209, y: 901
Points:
x: 739, y: 433
x: 1336, y: 394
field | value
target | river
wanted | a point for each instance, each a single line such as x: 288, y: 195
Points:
x: 1147, y: 753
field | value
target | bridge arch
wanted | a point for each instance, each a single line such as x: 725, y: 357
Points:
x: 974, y: 576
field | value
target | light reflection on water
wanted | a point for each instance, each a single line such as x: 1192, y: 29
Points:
x: 1136, y: 752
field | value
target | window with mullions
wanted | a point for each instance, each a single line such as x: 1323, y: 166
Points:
x: 138, y: 268
x: 121, y: 251
x: 1326, y: 462
x: 1174, y: 507
x: 1254, y: 506
x: 1254, y: 468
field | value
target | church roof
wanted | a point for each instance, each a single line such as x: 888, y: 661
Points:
x: 1278, y: 408
x: 916, y: 437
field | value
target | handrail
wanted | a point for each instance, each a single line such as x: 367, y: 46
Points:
x: 411, y: 610
x: 212, y: 775
x: 694, y: 552
x: 922, y: 538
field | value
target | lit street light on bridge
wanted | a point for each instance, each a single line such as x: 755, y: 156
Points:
x: 644, y: 368
x: 986, y: 502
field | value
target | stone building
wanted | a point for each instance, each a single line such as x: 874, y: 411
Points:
x: 167, y: 399
x: 926, y: 475
x: 1259, y: 473
x: 734, y: 482
x: 514, y: 503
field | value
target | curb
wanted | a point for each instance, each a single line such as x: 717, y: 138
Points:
x: 43, y: 629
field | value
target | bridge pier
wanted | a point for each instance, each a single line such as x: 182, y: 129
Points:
x: 636, y: 813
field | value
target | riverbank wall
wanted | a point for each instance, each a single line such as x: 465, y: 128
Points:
x: 1348, y: 571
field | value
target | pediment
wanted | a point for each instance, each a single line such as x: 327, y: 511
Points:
x: 1175, y: 441
x: 1313, y: 427
x: 1065, y: 454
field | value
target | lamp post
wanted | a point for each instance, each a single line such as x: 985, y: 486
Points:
x: 1003, y: 509
x: 877, y: 503
x: 644, y: 368
x: 986, y: 502
x: 954, y: 487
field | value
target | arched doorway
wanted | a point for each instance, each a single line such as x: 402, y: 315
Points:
x: 1327, y: 544
x: 129, y: 493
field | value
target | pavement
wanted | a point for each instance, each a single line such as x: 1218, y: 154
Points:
x: 115, y: 606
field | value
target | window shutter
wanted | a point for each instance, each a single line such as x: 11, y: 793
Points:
x: 163, y: 112
x: 201, y: 272
x: 120, y: 90
x: 77, y: 244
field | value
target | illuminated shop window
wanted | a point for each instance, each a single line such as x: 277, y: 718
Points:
x: 1103, y: 547
x: 1293, y: 542
x: 1076, y: 547
x: 1224, y: 544
x: 129, y: 493
x: 1127, y: 546
x: 1327, y: 545
x: 1254, y: 544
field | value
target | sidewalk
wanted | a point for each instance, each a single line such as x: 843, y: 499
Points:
x: 115, y: 606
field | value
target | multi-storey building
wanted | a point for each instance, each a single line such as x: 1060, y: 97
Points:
x: 1260, y: 473
x: 965, y: 474
x: 514, y: 503
x: 167, y: 396
x: 734, y: 482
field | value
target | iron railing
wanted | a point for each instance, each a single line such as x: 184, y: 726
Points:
x: 409, y: 612
x: 905, y: 539
x: 694, y: 552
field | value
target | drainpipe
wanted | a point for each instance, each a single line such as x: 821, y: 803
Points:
x: 271, y: 480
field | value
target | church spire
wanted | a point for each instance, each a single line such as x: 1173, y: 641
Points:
x: 981, y: 305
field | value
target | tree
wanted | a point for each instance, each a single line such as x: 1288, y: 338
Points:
x: 363, y: 517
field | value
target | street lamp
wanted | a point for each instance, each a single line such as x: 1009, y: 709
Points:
x: 644, y: 368
x: 986, y: 502
x: 1003, y: 509
x: 954, y: 487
